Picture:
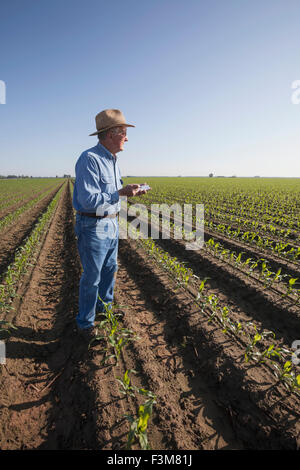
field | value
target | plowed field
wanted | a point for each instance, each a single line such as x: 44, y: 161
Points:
x: 55, y: 393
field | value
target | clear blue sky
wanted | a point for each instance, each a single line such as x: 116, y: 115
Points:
x: 207, y: 84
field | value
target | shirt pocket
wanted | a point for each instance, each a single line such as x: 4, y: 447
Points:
x: 107, y: 183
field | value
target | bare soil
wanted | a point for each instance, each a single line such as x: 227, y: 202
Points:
x: 55, y: 394
x: 9, y: 209
x: 14, y: 235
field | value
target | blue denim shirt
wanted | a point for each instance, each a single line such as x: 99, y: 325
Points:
x: 97, y: 182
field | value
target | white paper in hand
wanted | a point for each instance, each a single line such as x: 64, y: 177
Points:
x: 144, y: 187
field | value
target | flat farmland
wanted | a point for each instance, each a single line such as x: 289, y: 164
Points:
x: 209, y: 337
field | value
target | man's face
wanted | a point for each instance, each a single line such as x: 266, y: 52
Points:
x: 117, y: 139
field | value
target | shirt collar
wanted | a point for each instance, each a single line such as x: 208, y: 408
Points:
x: 108, y: 153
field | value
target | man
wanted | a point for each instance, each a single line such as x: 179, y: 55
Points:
x: 96, y: 198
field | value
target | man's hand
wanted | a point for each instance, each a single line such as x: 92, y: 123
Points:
x: 132, y: 190
x: 143, y: 191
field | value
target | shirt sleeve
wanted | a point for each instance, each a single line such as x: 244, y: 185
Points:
x: 89, y: 193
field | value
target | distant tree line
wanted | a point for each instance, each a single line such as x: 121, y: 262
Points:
x: 26, y: 176
x: 14, y: 176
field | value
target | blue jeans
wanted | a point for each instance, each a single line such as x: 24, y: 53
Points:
x: 97, y: 241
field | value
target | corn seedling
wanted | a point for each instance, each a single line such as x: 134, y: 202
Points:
x: 252, y: 352
x: 7, y: 326
x: 115, y: 336
x: 126, y: 387
x: 287, y: 375
x: 290, y: 286
x: 270, y: 353
x: 139, y: 425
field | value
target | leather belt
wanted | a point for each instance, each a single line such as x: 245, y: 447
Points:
x: 95, y: 216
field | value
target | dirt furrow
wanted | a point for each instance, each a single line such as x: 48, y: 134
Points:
x: 276, y: 262
x: 248, y: 300
x: 290, y: 238
x: 9, y: 209
x: 55, y: 395
x: 14, y: 235
x: 40, y: 350
x: 250, y: 250
x: 257, y: 413
x: 185, y: 415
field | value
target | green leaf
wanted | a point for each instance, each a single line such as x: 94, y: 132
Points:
x: 143, y: 439
x: 143, y: 418
x: 257, y: 337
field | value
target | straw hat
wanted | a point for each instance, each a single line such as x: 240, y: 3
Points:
x: 110, y: 118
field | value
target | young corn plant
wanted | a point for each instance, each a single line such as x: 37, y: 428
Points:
x: 277, y: 278
x: 287, y: 375
x: 238, y: 259
x: 228, y: 324
x: 270, y: 353
x: 126, y: 388
x: 6, y: 326
x: 213, y: 301
x: 266, y: 275
x: 252, y: 267
x: 290, y: 287
x: 201, y: 288
x: 247, y: 262
x: 251, y: 351
x: 115, y: 336
x: 139, y: 425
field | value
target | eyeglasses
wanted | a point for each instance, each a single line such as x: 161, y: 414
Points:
x: 122, y: 132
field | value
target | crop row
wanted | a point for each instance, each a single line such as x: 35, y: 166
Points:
x: 252, y: 224
x: 12, y: 216
x: 257, y: 268
x: 281, y: 249
x: 260, y: 267
x: 268, y: 201
x: 16, y: 191
x: 257, y: 345
x: 116, y: 338
x: 23, y: 260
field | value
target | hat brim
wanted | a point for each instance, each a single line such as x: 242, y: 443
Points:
x: 111, y: 127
